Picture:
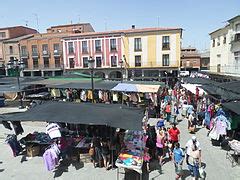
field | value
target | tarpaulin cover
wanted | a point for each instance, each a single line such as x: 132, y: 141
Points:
x: 233, y: 106
x: 143, y: 88
x: 114, y: 115
x: 192, y: 88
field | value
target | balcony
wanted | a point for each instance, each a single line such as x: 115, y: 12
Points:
x: 24, y: 55
x: 57, y: 53
x: 45, y: 53
x: 35, y: 54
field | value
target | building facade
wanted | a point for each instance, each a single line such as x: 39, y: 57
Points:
x: 225, y: 49
x: 8, y: 33
x: 134, y: 54
x: 205, y: 60
x: 42, y: 53
x: 190, y: 59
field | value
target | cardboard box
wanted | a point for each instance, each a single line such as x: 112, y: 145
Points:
x: 33, y: 150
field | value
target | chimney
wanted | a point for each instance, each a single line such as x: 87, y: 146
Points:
x: 133, y: 26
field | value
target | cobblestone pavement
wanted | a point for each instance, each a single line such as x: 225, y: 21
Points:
x: 18, y: 168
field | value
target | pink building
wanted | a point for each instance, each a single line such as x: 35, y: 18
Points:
x: 104, y: 47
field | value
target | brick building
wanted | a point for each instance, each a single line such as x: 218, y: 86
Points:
x: 190, y: 59
x: 8, y: 33
x: 42, y: 53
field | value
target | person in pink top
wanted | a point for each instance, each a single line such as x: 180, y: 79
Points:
x: 160, y: 143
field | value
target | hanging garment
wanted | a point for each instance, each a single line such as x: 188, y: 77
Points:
x: 115, y: 97
x: 100, y: 95
x: 6, y: 125
x: 105, y: 97
x: 133, y: 98
x: 50, y: 159
x: 125, y: 96
x: 83, y: 95
x: 17, y: 127
x: 55, y: 93
x: 89, y: 95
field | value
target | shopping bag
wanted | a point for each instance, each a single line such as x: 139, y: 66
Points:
x: 201, y: 172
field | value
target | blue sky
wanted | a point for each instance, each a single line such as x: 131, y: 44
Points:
x: 196, y: 17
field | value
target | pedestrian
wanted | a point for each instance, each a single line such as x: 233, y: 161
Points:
x: 194, y: 161
x: 178, y: 157
x: 161, y: 122
x: 105, y: 150
x: 192, y: 142
x: 97, y: 155
x: 168, y: 111
x: 174, y: 134
x: 160, y: 142
x: 192, y: 122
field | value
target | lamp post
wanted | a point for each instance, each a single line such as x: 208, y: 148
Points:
x: 17, y: 66
x: 121, y: 63
x: 91, y: 62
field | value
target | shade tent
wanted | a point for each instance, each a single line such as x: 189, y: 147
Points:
x: 114, y: 115
x: 142, y: 88
x: 233, y: 106
x: 192, y: 88
x: 101, y: 85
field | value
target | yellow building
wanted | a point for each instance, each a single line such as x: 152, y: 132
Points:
x: 152, y: 52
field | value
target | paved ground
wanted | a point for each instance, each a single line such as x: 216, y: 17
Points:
x: 217, y: 166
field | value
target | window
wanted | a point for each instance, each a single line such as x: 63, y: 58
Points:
x: 34, y: 50
x: 137, y: 61
x: 165, y: 60
x: 99, y: 61
x: 56, y: 47
x: 10, y: 50
x: 45, y: 49
x: 46, y: 62
x: 113, y: 46
x: 85, y: 62
x: 237, y: 27
x: 218, y: 43
x: 213, y: 43
x: 35, y: 63
x: 165, y: 43
x: 237, y: 56
x: 224, y: 39
x: 137, y: 44
x: 71, y: 62
x: 113, y: 61
x: 2, y: 35
x: 57, y: 62
x: 84, y: 47
x: 25, y: 62
x: 237, y: 37
x: 23, y: 50
x: 70, y: 48
x: 98, y: 45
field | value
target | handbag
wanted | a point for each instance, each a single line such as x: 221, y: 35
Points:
x: 201, y: 172
x: 91, y: 151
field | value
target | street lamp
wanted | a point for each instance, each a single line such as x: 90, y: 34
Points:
x: 121, y: 63
x: 17, y: 66
x: 91, y: 63
x: 166, y: 82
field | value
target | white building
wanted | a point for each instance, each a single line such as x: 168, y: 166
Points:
x: 225, y: 49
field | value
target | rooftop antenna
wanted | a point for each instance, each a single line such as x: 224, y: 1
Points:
x: 158, y: 21
x: 36, y: 16
x: 79, y: 19
x: 26, y: 22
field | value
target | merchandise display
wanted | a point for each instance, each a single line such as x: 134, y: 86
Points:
x: 131, y: 156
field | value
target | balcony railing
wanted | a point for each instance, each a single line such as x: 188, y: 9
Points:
x: 57, y: 53
x: 45, y: 53
x: 35, y: 54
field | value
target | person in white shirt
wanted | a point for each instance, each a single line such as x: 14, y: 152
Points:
x: 53, y: 130
x: 192, y: 142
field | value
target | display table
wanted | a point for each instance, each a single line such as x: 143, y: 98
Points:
x: 131, y: 157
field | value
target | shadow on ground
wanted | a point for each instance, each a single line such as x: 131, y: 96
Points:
x: 63, y: 167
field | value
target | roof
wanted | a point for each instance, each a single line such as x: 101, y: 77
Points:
x: 69, y: 25
x: 233, y: 106
x: 18, y: 38
x: 219, y: 29
x: 126, y: 31
x: 12, y: 27
x: 114, y: 115
x: 232, y: 19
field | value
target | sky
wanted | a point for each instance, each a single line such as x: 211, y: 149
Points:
x: 197, y: 18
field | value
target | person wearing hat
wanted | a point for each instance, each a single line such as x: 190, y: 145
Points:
x: 193, y: 142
